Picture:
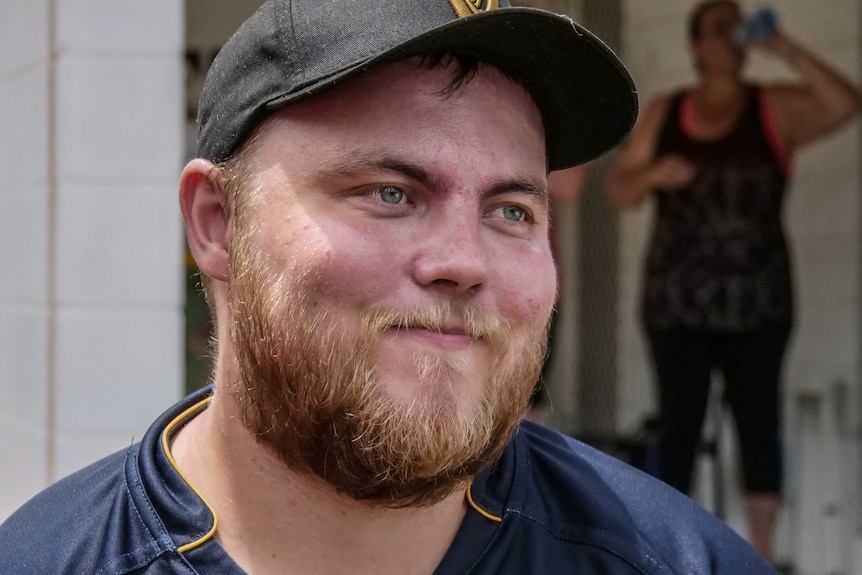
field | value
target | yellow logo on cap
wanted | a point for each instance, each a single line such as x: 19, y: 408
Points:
x: 466, y: 7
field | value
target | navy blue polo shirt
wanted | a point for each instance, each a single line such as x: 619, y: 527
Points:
x: 550, y: 505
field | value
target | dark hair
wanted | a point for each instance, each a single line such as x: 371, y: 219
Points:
x: 696, y: 16
x: 463, y: 69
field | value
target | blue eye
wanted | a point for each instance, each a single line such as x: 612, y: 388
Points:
x: 514, y: 213
x: 391, y: 195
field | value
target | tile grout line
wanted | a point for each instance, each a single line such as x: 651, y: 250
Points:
x: 51, y: 371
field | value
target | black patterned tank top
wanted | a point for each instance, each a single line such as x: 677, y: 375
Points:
x: 718, y: 259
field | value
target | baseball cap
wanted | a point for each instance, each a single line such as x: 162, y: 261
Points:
x: 292, y: 49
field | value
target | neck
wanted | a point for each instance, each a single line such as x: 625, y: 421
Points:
x: 275, y: 520
x: 720, y: 87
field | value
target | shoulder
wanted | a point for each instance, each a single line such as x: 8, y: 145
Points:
x: 580, y: 489
x: 83, y: 523
x: 643, y: 137
x: 657, y: 109
x: 662, y: 102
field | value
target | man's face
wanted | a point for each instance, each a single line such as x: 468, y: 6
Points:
x: 714, y: 49
x: 391, y: 280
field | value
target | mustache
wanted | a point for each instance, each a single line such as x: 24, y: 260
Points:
x: 438, y: 316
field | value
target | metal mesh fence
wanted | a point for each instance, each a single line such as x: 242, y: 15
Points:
x: 582, y: 382
x: 598, y: 293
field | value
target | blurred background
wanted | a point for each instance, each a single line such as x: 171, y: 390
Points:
x: 102, y: 325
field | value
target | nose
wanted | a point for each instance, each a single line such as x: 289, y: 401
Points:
x: 452, y: 257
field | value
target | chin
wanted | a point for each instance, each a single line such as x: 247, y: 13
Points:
x: 448, y: 381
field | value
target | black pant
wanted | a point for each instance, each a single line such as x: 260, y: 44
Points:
x: 750, y: 364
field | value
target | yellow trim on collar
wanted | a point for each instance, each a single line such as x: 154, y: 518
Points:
x: 208, y: 535
x: 165, y: 434
x: 478, y: 509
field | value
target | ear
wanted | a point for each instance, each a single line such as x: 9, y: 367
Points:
x: 202, y: 202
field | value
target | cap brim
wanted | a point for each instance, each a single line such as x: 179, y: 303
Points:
x: 587, y: 98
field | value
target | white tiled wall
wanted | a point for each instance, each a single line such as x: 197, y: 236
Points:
x: 96, y: 266
x: 23, y: 224
x: 824, y: 219
x: 144, y: 118
x: 115, y: 367
x: 154, y: 27
x: 23, y: 362
x: 23, y: 101
x: 90, y: 233
x: 25, y: 446
x: 24, y: 244
x: 23, y: 408
x: 24, y: 40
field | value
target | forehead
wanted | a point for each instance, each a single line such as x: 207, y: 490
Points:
x: 718, y: 14
x: 412, y: 108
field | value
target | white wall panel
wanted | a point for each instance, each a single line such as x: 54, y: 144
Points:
x: 823, y: 204
x: 91, y: 109
x: 24, y: 246
x: 118, y: 245
x: 23, y: 251
x: 116, y: 370
x: 23, y: 34
x: 23, y: 366
x: 77, y: 450
x: 24, y: 448
x: 119, y: 118
x: 154, y: 26
x: 840, y: 152
x: 23, y: 116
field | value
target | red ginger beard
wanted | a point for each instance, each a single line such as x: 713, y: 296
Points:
x: 308, y: 391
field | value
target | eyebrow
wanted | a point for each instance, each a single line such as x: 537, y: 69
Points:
x: 524, y: 186
x: 361, y: 163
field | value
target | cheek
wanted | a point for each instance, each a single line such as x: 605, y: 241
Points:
x: 529, y: 288
x: 346, y: 266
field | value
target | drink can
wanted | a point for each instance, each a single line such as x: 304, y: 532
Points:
x: 758, y: 27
